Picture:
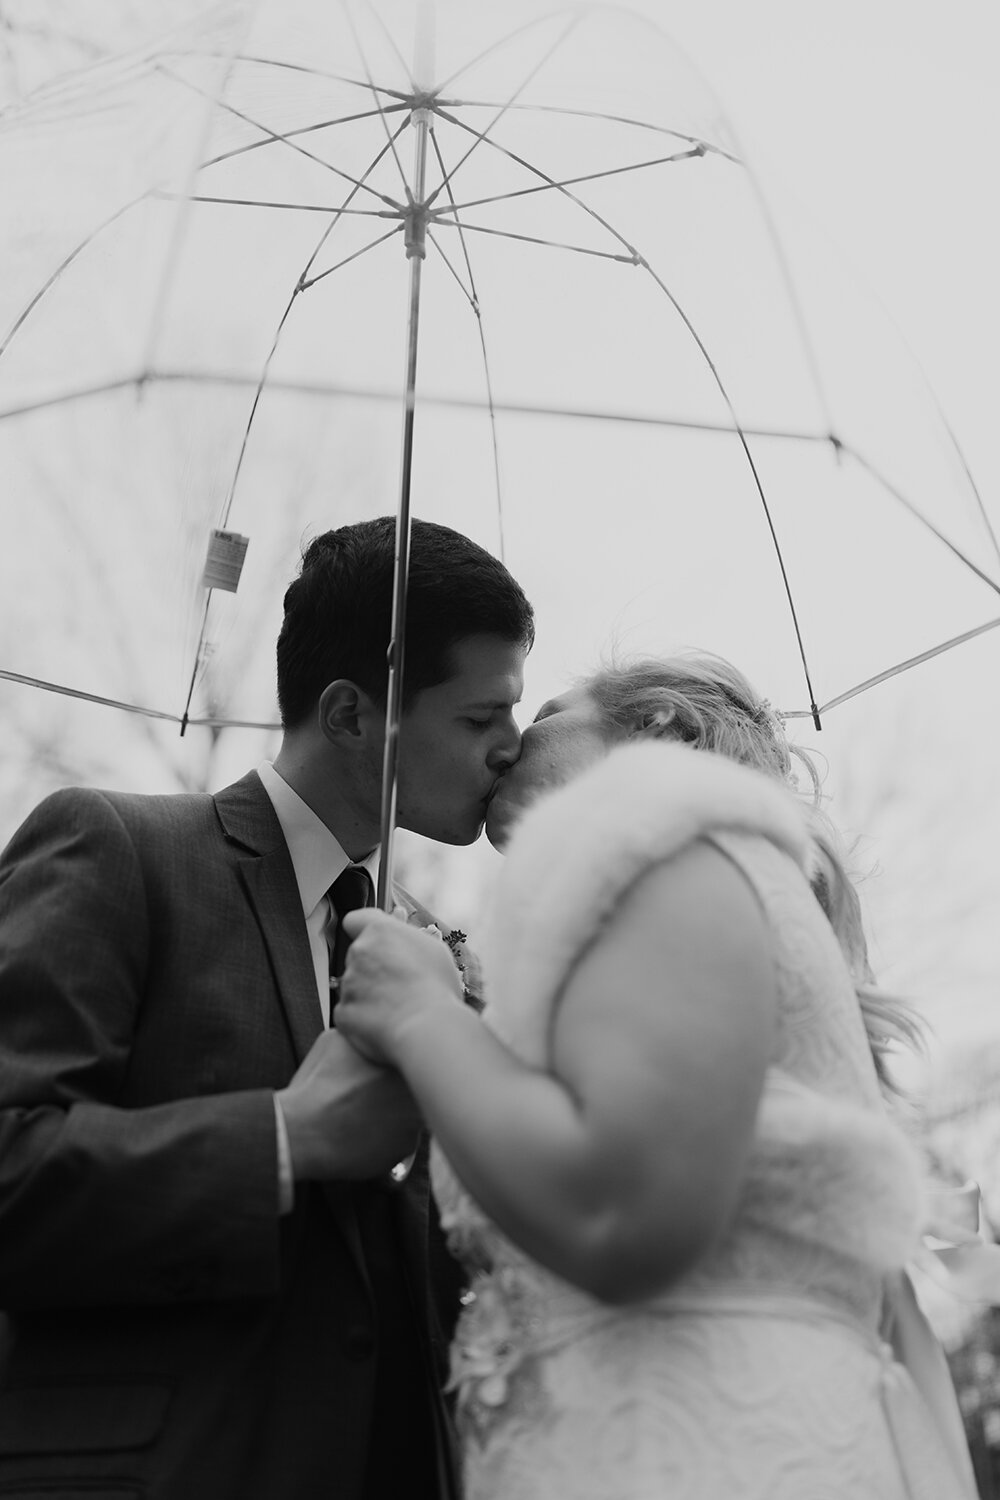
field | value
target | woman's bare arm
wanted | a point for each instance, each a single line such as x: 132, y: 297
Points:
x: 621, y: 1166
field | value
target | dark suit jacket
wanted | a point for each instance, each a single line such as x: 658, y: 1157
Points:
x: 173, y: 1336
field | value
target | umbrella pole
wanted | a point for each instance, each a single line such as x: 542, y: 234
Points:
x: 416, y: 249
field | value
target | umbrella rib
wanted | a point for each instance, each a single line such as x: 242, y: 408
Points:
x: 399, y: 56
x: 94, y: 559
x: 305, y: 284
x: 531, y: 239
x: 435, y: 143
x: 88, y: 240
x: 276, y: 137
x: 405, y: 101
x: 211, y: 722
x: 551, y: 182
x: 69, y: 692
x: 786, y: 582
x: 299, y: 287
x: 949, y: 430
x: 638, y: 259
x: 308, y: 208
x: 502, y: 42
x: 64, y: 265
x: 466, y: 293
x: 980, y: 504
x: 792, y: 293
x: 708, y: 147
x: 378, y: 102
x: 897, y: 494
x: 290, y: 135
x: 278, y: 63
x: 562, y: 186
x: 902, y: 666
x: 484, y: 135
x: 319, y: 388
x: 477, y: 310
x: 130, y: 708
x: 547, y: 187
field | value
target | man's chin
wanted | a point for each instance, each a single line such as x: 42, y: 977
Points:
x: 459, y: 837
x: 463, y: 840
x: 458, y: 829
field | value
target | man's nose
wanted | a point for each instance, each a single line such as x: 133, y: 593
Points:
x: 506, y: 750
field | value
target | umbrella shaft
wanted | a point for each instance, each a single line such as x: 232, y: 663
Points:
x: 415, y: 251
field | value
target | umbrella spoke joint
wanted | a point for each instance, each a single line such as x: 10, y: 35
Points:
x: 415, y: 217
x: 417, y: 211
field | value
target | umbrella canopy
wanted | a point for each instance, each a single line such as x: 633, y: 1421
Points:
x: 211, y: 327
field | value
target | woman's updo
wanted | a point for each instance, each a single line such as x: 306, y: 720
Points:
x: 700, y: 699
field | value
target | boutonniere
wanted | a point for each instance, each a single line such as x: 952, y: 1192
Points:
x: 454, y: 940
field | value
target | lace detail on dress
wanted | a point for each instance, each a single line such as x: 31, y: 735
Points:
x: 727, y: 1392
x: 820, y: 1036
x: 513, y: 1311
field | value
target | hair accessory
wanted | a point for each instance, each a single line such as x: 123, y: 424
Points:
x: 765, y: 710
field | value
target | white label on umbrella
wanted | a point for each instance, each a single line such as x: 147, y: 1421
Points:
x: 224, y: 561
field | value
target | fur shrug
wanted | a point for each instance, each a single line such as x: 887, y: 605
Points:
x: 830, y: 1171
x: 578, y: 850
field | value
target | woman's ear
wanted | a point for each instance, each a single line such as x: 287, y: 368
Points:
x: 653, y: 724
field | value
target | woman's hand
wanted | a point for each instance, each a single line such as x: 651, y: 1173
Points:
x: 395, y: 975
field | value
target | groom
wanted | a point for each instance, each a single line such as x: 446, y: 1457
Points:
x: 216, y: 1293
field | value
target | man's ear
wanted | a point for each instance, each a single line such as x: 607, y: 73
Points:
x: 344, y: 711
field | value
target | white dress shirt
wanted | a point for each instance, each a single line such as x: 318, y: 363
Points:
x: 317, y: 859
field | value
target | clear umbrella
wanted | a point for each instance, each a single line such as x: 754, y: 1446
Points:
x: 249, y: 265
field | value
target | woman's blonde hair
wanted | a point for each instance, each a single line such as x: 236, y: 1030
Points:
x: 704, y: 701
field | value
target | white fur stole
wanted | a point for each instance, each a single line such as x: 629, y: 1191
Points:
x: 577, y: 851
x: 836, y: 1173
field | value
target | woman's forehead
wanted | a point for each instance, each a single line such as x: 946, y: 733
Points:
x: 576, y: 697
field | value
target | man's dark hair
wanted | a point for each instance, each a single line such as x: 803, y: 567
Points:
x: 338, y: 611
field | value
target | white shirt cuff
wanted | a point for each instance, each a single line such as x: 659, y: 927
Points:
x: 286, y: 1177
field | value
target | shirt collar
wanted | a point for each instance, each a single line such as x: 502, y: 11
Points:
x: 317, y: 855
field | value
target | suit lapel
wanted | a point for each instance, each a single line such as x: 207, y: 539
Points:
x: 270, y: 886
x: 249, y: 820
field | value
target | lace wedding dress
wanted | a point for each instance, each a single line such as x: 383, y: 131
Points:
x: 761, y: 1375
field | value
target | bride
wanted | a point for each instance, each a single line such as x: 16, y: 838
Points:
x: 665, y: 1158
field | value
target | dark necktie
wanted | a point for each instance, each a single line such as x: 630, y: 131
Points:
x: 351, y: 889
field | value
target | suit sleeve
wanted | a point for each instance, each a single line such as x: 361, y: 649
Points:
x: 102, y: 1205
